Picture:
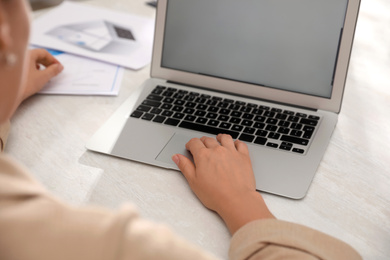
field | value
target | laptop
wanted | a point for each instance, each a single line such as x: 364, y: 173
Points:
x: 270, y: 73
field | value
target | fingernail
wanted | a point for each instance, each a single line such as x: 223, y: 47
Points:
x: 176, y: 159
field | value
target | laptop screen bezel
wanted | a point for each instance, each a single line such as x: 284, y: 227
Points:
x: 332, y: 104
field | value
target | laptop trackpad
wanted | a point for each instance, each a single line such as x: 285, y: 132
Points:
x: 177, y: 144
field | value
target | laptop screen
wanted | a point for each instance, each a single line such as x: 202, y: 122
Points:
x: 283, y: 44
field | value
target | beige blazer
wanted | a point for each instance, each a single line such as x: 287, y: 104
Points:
x: 34, y: 225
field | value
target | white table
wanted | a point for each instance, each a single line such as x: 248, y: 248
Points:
x: 349, y: 197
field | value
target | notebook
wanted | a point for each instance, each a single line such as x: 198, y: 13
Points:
x: 270, y: 73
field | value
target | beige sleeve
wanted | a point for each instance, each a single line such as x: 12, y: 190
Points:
x: 36, y: 226
x: 275, y: 239
x: 4, y: 131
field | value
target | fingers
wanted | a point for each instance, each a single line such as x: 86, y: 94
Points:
x: 226, y: 141
x: 241, y: 147
x: 194, y: 145
x: 185, y: 165
x: 41, y: 56
x: 209, y: 142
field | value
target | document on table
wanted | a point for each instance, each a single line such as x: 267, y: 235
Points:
x: 98, y: 33
x: 82, y: 76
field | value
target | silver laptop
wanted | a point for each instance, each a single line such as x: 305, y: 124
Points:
x: 270, y: 73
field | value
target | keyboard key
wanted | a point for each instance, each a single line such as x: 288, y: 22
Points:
x: 154, y: 97
x: 136, y: 114
x: 190, y: 104
x: 249, y: 130
x: 213, y: 109
x: 246, y: 109
x: 166, y: 106
x: 271, y: 128
x: 223, y: 104
x: 296, y: 133
x: 246, y: 138
x: 293, y: 119
x: 167, y: 113
x: 213, y: 122
x: 281, y: 116
x: 237, y: 128
x: 296, y: 126
x: 308, y: 122
x: 278, y: 110
x: 297, y: 150
x: 178, y: 115
x: 258, y: 125
x: 283, y: 130
x: 269, y: 113
x: 260, y: 118
x: 156, y: 111
x: 294, y: 140
x: 301, y: 114
x: 179, y: 102
x: 273, y: 145
x: 189, y: 111
x: 190, y: 118
x: 151, y: 103
x: 262, y: 133
x: 159, y: 119
x: 273, y: 135
x: 143, y: 108
x: 167, y: 93
x: 168, y: 100
x: 272, y: 121
x: 172, y: 89
x: 201, y: 120
x: 236, y: 114
x: 177, y: 108
x: 201, y: 107
x: 285, y: 146
x: 200, y: 113
x: 284, y: 124
x: 207, y: 129
x: 225, y: 125
x: 240, y: 103
x: 171, y: 121
x: 224, y: 111
x: 223, y: 118
x: 212, y: 115
x: 147, y: 117
x: 248, y: 116
x: 247, y: 123
x: 314, y: 117
x: 235, y: 120
x: 260, y: 140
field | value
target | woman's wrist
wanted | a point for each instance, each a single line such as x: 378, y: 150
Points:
x: 244, y: 209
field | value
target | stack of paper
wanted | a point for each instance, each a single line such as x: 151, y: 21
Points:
x: 92, y: 43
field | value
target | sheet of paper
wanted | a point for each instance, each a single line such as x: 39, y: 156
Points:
x: 98, y: 33
x: 82, y: 76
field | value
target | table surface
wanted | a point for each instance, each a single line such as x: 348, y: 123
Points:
x: 349, y: 197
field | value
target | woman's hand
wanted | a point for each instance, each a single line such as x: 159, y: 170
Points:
x: 36, y: 76
x: 223, y: 179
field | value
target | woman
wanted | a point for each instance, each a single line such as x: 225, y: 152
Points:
x: 35, y: 225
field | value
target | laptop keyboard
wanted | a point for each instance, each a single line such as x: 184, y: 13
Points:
x: 258, y: 124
